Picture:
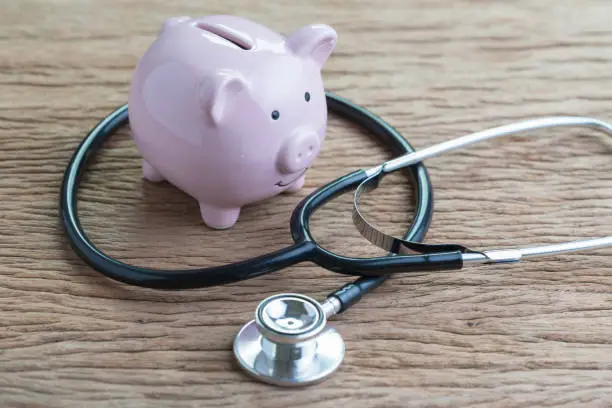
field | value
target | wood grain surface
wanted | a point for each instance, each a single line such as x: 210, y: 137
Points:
x: 537, y: 333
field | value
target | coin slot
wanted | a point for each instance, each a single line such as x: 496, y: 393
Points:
x: 229, y: 34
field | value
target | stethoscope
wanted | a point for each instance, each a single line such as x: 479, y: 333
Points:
x: 289, y: 343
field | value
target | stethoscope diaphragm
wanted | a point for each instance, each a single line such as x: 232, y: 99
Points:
x: 288, y: 343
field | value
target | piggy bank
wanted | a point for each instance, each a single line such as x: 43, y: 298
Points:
x: 229, y: 111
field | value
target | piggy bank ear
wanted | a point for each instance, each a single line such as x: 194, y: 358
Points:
x: 173, y: 21
x: 315, y: 41
x: 217, y: 95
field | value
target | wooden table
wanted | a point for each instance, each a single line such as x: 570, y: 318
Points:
x: 536, y: 333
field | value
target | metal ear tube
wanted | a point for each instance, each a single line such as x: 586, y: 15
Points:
x: 401, y: 246
x: 288, y: 343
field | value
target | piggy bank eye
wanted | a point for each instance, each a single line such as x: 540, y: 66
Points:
x: 307, y: 96
x: 275, y: 115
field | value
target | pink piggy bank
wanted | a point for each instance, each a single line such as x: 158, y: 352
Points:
x: 229, y: 111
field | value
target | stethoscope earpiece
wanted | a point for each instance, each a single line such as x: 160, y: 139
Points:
x: 289, y: 343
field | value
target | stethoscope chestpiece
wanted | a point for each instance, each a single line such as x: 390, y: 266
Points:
x: 288, y: 343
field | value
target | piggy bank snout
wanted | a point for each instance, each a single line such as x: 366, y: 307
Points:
x: 298, y: 152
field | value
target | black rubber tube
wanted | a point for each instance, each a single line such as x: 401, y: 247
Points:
x: 304, y: 249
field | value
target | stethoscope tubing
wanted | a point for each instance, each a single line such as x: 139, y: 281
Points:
x: 304, y: 248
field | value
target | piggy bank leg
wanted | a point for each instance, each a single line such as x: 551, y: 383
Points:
x: 219, y: 218
x: 150, y: 173
x: 296, y: 185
